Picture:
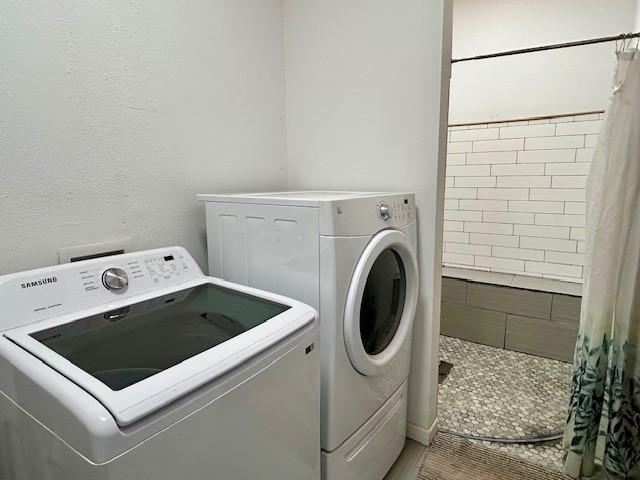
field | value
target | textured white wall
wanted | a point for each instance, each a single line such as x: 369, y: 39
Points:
x: 364, y: 83
x: 113, y: 115
x: 559, y: 81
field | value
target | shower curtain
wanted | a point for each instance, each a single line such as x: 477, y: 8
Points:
x: 604, y: 411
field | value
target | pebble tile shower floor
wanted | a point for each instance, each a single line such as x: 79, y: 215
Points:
x: 500, y: 393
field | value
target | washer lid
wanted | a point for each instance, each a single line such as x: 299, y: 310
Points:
x: 137, y: 357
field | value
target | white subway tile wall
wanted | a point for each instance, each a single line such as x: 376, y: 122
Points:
x: 515, y: 196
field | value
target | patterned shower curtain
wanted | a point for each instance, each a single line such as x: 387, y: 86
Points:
x: 603, y: 424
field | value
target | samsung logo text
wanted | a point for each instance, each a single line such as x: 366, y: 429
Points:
x: 40, y: 282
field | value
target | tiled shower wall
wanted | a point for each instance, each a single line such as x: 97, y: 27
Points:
x: 534, y: 322
x: 515, y: 196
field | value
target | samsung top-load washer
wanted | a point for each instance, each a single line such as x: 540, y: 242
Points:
x: 352, y: 255
x: 137, y: 366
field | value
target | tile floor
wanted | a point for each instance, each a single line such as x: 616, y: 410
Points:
x: 500, y: 393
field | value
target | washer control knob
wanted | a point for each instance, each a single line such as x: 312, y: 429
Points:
x: 115, y: 279
x: 385, y: 212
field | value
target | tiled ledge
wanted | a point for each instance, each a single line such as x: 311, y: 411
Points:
x: 588, y: 115
x: 514, y: 280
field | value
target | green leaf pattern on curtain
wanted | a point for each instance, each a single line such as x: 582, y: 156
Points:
x: 587, y: 393
x: 621, y: 382
x: 604, y: 412
x: 622, y: 448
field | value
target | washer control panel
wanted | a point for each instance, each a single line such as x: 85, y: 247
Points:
x: 164, y: 267
x: 46, y: 292
x: 157, y: 270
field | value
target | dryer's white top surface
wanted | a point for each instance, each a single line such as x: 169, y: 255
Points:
x: 336, y: 213
x: 296, y: 198
x: 315, y: 195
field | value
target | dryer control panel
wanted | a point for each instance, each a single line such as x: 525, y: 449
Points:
x: 34, y: 295
x: 401, y: 211
x: 367, y: 215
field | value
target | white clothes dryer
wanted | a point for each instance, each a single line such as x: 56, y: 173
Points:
x: 138, y: 366
x: 351, y: 255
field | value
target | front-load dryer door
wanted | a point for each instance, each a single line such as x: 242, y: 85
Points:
x: 381, y: 302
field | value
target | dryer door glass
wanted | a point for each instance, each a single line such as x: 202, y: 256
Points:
x: 122, y: 347
x: 382, y: 302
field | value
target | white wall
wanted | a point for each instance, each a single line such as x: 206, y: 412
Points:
x: 113, y: 115
x: 559, y: 81
x: 363, y: 110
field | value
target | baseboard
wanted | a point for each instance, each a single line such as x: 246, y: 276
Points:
x: 420, y: 434
x: 433, y: 430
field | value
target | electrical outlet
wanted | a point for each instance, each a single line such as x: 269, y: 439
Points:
x: 94, y: 250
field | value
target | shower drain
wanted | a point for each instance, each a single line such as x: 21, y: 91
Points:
x: 443, y: 370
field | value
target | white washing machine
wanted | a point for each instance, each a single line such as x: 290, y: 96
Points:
x: 138, y: 366
x: 352, y: 255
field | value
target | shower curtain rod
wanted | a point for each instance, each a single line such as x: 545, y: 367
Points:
x: 591, y: 41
